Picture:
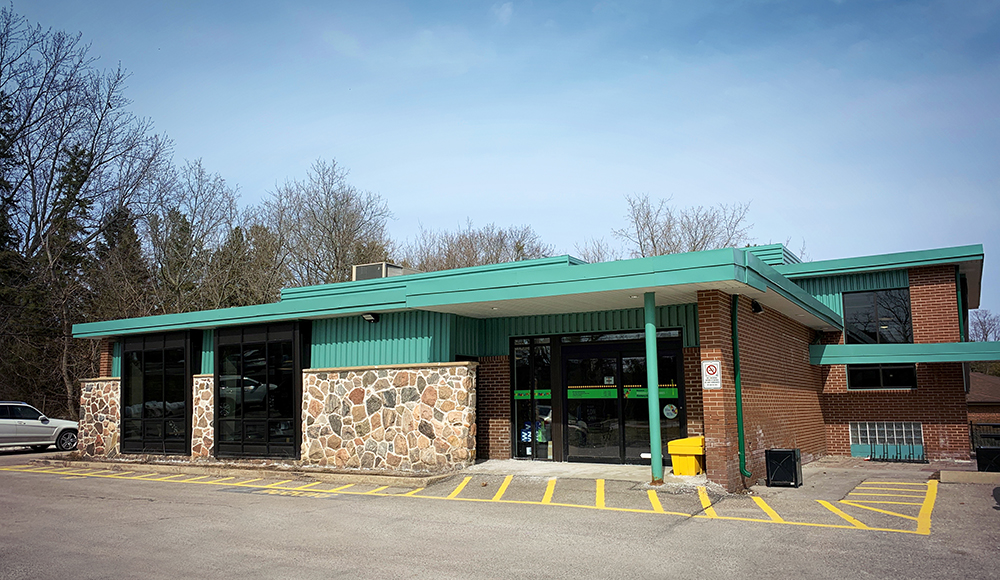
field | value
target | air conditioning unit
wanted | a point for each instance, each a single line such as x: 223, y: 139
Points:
x: 378, y: 270
x: 784, y: 467
x: 988, y: 458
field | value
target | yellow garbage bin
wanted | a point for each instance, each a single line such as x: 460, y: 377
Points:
x: 687, y: 455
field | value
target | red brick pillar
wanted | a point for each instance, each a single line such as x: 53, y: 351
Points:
x: 107, y: 352
x: 721, y: 444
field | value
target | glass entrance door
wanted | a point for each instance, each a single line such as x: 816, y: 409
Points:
x: 608, y: 403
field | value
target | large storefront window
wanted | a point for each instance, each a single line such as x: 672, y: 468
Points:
x: 155, y: 395
x: 880, y: 317
x: 256, y: 401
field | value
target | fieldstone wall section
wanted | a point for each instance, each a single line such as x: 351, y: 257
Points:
x: 407, y: 418
x: 203, y: 417
x: 99, y: 417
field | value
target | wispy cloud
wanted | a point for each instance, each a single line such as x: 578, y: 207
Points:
x: 503, y: 12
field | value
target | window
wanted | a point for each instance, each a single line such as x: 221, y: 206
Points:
x: 880, y: 317
x: 155, y: 393
x: 886, y: 433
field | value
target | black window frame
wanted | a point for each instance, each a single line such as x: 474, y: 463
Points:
x: 879, y: 376
x: 148, y: 442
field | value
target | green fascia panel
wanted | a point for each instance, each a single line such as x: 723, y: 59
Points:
x: 858, y: 354
x: 208, y: 352
x: 896, y: 261
x: 116, y: 360
x: 791, y: 291
x: 774, y: 254
x: 830, y: 289
x: 495, y: 333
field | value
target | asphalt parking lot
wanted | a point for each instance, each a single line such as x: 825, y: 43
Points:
x: 139, y: 521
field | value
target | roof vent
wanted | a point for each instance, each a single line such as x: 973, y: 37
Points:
x: 378, y: 270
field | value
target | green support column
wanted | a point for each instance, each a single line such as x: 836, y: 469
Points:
x: 653, y: 388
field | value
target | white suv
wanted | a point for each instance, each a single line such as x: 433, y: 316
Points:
x: 22, y: 425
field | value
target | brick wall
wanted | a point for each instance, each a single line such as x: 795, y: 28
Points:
x: 938, y: 402
x: 984, y: 413
x: 719, y: 406
x: 493, y: 408
x: 107, y: 354
x: 692, y: 392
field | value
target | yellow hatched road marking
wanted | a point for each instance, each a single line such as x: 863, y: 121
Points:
x: 883, y: 502
x: 706, y: 502
x: 924, y: 517
x: 248, y: 481
x: 886, y: 495
x: 767, y: 509
x: 845, y: 517
x: 193, y: 479
x: 859, y: 488
x: 220, y: 480
x: 413, y: 492
x: 503, y: 488
x: 308, y: 485
x: 654, y: 500
x: 124, y: 473
x: 874, y: 509
x: 460, y: 487
x: 376, y: 490
x: 167, y: 477
x: 600, y: 494
x: 550, y: 488
x: 341, y: 488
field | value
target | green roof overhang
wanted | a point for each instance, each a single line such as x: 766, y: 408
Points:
x: 969, y: 260
x: 547, y: 286
x: 864, y: 354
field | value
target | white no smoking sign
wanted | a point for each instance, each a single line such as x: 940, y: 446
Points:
x: 711, y: 374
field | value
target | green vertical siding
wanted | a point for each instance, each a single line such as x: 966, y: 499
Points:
x: 830, y: 289
x: 498, y: 331
x: 207, y: 352
x: 397, y: 338
x: 116, y: 360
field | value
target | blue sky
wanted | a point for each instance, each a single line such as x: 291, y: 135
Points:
x: 856, y: 127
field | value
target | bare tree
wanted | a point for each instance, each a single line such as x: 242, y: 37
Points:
x: 596, y: 250
x: 984, y: 326
x: 328, y: 225
x: 656, y: 229
x: 470, y: 246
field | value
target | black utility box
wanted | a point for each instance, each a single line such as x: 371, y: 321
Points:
x: 784, y: 467
x: 988, y: 458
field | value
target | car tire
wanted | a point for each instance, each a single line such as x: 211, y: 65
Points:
x: 66, y: 441
x: 40, y: 447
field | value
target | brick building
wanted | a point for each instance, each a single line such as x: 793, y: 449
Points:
x: 553, y: 360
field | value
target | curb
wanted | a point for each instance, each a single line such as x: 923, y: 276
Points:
x: 970, y: 477
x: 229, y: 471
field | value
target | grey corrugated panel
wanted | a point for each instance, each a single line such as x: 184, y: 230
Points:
x: 830, y: 289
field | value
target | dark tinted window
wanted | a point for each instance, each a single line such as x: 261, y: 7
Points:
x: 881, y: 317
x: 4, y: 413
x: 22, y: 412
x: 881, y: 376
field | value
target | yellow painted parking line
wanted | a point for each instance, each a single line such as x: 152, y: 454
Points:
x: 277, y: 483
x: 220, y: 480
x: 924, y: 517
x: 600, y: 494
x: 884, y: 502
x: 503, y: 488
x: 341, y: 488
x: 885, y: 495
x: 122, y: 474
x: 654, y: 500
x: 896, y: 482
x: 308, y: 485
x: 143, y: 476
x: 376, y: 490
x: 706, y: 502
x: 245, y: 482
x: 460, y: 487
x: 193, y: 479
x: 844, y: 516
x: 767, y: 509
x: 550, y: 488
x: 413, y: 492
x: 875, y: 509
x: 167, y: 477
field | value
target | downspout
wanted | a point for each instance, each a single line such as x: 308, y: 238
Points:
x: 739, y: 389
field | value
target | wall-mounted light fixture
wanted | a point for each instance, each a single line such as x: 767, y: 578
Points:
x: 755, y: 307
x: 370, y: 317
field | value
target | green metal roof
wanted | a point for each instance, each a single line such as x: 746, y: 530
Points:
x: 540, y: 286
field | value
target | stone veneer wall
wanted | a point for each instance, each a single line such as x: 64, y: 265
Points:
x: 203, y: 416
x: 99, y: 417
x: 411, y: 418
